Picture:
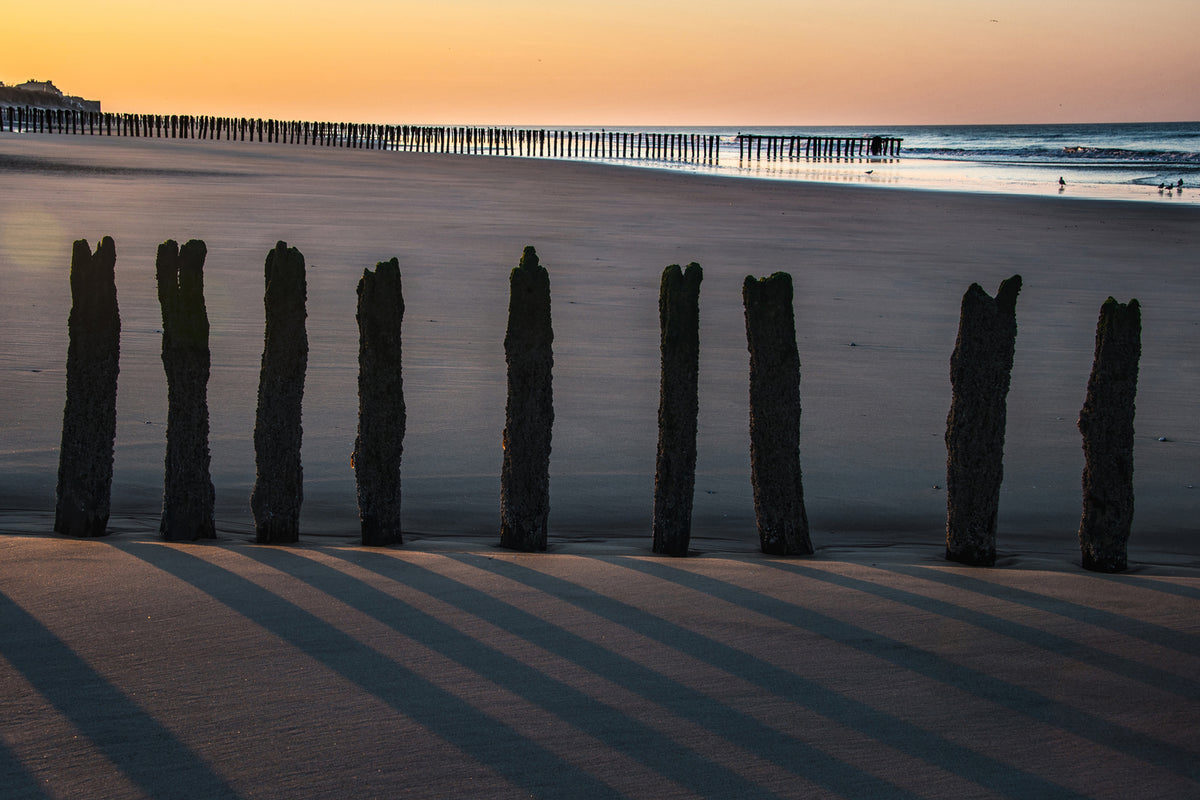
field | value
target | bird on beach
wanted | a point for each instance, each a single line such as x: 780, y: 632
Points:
x: 870, y: 171
x: 1061, y: 182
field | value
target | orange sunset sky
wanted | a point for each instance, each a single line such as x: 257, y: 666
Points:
x: 620, y: 62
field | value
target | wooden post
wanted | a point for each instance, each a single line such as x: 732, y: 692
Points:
x: 775, y: 416
x: 529, y: 414
x: 379, y: 445
x: 678, y: 408
x: 980, y: 371
x: 1106, y: 423
x: 188, y: 495
x: 85, y: 458
x: 279, y: 483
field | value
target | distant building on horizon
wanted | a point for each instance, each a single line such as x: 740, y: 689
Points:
x: 50, y: 96
x: 40, y: 86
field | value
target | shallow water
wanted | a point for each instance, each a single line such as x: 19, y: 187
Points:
x: 1126, y: 161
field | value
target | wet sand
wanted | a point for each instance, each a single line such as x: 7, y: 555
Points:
x: 878, y: 274
x: 451, y: 668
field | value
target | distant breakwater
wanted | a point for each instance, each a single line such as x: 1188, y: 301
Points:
x: 695, y: 148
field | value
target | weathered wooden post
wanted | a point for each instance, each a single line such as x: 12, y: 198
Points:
x: 85, y: 459
x: 529, y: 415
x: 381, y: 414
x: 775, y: 416
x: 279, y: 483
x: 188, y: 494
x: 1106, y: 423
x: 980, y: 370
x: 678, y: 408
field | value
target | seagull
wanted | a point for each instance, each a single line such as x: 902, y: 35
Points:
x: 1061, y: 182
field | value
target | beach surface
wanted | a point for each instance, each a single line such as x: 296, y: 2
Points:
x: 448, y: 667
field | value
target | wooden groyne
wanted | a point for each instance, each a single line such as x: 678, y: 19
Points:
x: 526, y: 142
x: 794, y: 148
x: 607, y: 145
x: 980, y: 371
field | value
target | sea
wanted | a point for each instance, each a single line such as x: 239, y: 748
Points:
x: 1117, y: 161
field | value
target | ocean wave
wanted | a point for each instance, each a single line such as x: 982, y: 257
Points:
x: 1047, y: 155
x: 1057, y: 155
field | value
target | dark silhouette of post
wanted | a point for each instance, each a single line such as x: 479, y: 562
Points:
x: 678, y: 407
x: 1106, y: 423
x: 980, y: 370
x: 188, y: 494
x: 279, y: 483
x: 381, y: 414
x: 775, y: 416
x: 529, y: 415
x: 85, y: 459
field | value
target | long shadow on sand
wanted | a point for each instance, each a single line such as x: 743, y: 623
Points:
x: 1152, y: 585
x: 18, y: 782
x: 460, y: 586
x: 1024, y: 701
x: 1026, y: 634
x: 113, y: 722
x: 1088, y: 615
x: 617, y: 730
x: 608, y: 725
x: 510, y: 754
x: 999, y: 777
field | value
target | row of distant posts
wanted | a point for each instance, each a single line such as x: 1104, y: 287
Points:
x: 779, y: 148
x: 980, y: 369
x: 528, y: 142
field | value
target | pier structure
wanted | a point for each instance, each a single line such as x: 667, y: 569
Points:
x: 752, y: 146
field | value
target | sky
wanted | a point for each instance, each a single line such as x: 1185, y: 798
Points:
x: 619, y: 62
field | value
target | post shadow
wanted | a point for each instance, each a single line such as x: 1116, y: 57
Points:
x: 279, y: 482
x: 842, y: 778
x: 188, y: 494
x: 775, y: 416
x: 531, y: 682
x: 1106, y: 422
x: 85, y: 459
x: 145, y: 750
x: 669, y: 689
x: 379, y: 445
x: 980, y: 371
x: 678, y: 408
x: 470, y: 732
x: 529, y: 413
x: 1072, y: 718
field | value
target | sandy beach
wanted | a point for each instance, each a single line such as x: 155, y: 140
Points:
x: 451, y: 668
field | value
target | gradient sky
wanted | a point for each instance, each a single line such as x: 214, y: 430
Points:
x: 620, y: 62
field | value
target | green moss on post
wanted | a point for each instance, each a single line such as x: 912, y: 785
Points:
x: 775, y: 416
x: 678, y: 408
x: 529, y: 414
x: 1106, y: 423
